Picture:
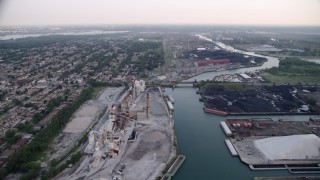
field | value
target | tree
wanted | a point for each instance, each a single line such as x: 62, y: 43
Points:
x: 26, y: 127
x: 3, y: 173
x: 11, y: 137
x: 41, y: 141
x: 37, y: 117
x: 17, y: 102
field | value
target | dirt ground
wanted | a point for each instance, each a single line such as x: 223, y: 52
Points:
x: 142, y: 158
x: 147, y: 156
x: 274, y: 128
x: 86, y: 115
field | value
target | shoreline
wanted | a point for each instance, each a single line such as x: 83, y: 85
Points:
x: 226, y: 113
x: 275, y: 113
x: 215, y: 70
x: 175, y: 147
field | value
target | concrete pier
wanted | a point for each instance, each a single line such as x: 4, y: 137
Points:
x: 225, y: 128
x: 288, y: 178
x: 176, y: 165
x: 231, y: 148
x: 166, y: 177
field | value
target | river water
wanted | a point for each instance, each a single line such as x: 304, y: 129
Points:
x: 272, y: 62
x: 201, y: 139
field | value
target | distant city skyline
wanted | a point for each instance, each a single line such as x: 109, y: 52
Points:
x: 96, y: 12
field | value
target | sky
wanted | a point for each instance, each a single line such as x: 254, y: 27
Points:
x: 96, y: 12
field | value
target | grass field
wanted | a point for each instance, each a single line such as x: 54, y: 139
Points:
x: 292, y: 79
x: 313, y: 96
x: 232, y: 86
x: 97, y: 90
x: 293, y: 71
x: 167, y: 54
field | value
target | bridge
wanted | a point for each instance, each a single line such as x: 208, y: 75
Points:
x: 172, y: 83
x: 187, y: 82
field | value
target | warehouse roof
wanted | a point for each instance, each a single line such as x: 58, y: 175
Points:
x: 295, y: 147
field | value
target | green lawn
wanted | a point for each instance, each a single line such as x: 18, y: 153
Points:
x: 232, y: 86
x: 167, y: 54
x: 292, y: 79
x: 293, y: 71
x: 97, y: 90
x: 313, y: 98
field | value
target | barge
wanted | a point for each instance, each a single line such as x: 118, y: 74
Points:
x: 171, y: 99
x: 170, y: 106
x: 215, y: 111
x: 231, y: 148
x: 225, y: 128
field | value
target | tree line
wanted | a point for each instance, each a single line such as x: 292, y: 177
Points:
x: 295, y: 66
x: 25, y: 159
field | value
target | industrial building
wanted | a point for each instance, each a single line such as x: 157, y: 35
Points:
x: 212, y: 62
x: 294, y: 147
x: 106, y: 142
x: 245, y: 77
x: 138, y: 87
x: 263, y: 144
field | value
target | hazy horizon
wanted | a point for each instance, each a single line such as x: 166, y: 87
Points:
x: 155, y: 12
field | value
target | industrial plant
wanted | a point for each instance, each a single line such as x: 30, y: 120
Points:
x: 265, y: 144
x: 104, y: 143
x: 135, y: 130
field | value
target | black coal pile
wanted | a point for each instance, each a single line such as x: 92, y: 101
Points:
x: 282, y: 98
x: 221, y: 54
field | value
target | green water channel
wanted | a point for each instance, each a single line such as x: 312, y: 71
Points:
x: 201, y: 140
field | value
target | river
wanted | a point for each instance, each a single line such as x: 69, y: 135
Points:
x: 272, y: 62
x: 201, y: 139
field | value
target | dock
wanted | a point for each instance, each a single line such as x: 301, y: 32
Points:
x: 166, y: 177
x: 175, y: 166
x: 170, y: 106
x: 225, y: 128
x: 288, y: 178
x: 293, y: 169
x: 231, y: 148
x: 171, y: 99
